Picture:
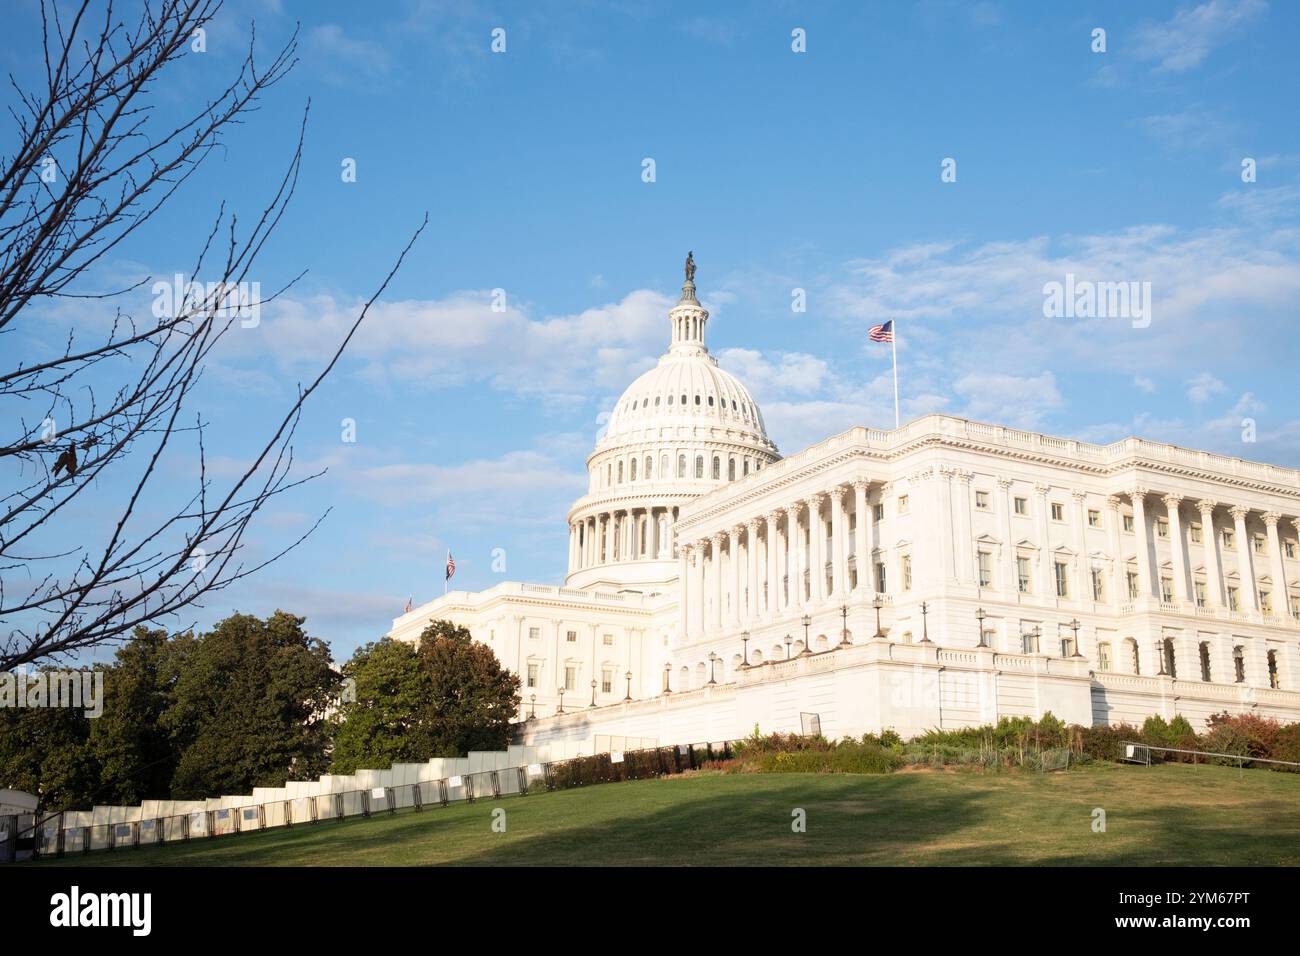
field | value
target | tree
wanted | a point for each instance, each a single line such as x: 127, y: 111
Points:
x: 473, y: 698
x: 132, y: 750
x: 44, y: 750
x: 89, y: 166
x: 387, y: 722
x: 249, y: 707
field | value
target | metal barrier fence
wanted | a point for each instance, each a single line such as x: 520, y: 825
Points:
x: 1141, y: 753
x: 52, y: 838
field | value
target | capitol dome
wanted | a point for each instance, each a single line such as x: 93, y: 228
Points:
x: 677, y: 432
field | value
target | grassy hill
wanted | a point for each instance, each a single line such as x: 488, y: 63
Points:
x: 1163, y: 815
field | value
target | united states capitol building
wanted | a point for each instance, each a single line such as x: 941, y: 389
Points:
x: 941, y: 574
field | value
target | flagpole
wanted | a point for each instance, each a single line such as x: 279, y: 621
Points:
x: 893, y: 341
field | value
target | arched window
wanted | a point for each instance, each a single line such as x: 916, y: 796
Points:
x: 1239, y: 664
x: 1205, y: 660
x: 681, y: 466
x: 746, y: 470
x: 717, y: 468
x: 663, y: 468
x: 609, y: 475
x: 1171, y: 665
x: 683, y: 399
x: 649, y: 467
x: 697, y: 399
x: 699, y: 466
x: 631, y: 470
x: 1274, y: 681
x: 710, y: 401
x: 656, y: 401
x: 731, y: 469
x: 670, y: 399
x: 620, y: 472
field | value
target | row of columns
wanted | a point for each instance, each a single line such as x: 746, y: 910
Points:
x: 777, y: 563
x: 1215, y: 593
x: 629, y: 534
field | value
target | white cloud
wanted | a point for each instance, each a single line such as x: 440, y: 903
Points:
x: 1019, y: 401
x: 1203, y: 386
x: 1184, y: 41
x: 1144, y: 383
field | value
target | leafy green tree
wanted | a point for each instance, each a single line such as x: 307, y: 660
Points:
x: 131, y: 747
x: 387, y: 722
x: 473, y: 698
x: 44, y: 751
x: 249, y: 707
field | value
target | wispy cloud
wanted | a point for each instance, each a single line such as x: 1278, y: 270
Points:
x: 1184, y: 41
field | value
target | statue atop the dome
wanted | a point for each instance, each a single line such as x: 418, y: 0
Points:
x: 690, y: 267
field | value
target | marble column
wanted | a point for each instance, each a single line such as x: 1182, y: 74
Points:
x: 1009, y: 578
x: 1083, y: 567
x: 686, y: 593
x: 838, y: 590
x: 1245, y: 564
x: 1118, y: 569
x: 715, y: 569
x: 737, y: 575
x: 1046, y: 586
x: 861, y: 547
x: 1173, y: 503
x: 1145, y: 577
x: 794, y: 543
x: 1210, y: 544
x: 772, y: 572
x: 817, y: 549
x: 752, y: 602
x: 1281, y: 601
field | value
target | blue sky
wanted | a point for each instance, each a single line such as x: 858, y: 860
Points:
x: 781, y: 170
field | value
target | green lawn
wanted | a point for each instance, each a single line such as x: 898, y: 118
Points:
x: 1171, y: 815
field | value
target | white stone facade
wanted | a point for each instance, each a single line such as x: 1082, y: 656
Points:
x: 1010, y: 572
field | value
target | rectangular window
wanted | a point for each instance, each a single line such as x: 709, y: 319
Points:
x: 534, y: 633
x: 1227, y: 540
x: 1058, y: 511
x: 1167, y: 590
x: 1062, y: 579
x: 878, y: 511
x: 982, y: 500
x: 1128, y: 524
x: 1132, y: 585
x: 607, y: 640
x: 571, y: 637
x: 1195, y: 532
x: 1022, y: 575
x: 606, y: 681
x: 1162, y: 527
x: 532, y: 675
x: 1103, y: 656
x: 1288, y: 548
x: 1261, y: 544
x: 880, y: 577
x: 1265, y: 602
x: 1094, y: 518
x: 1295, y: 606
x: 986, y: 569
x: 907, y: 572
x: 902, y: 504
x: 1029, y: 642
x: 570, y: 677
x: 1098, y: 585
x: 1233, y: 603
x: 1022, y: 506
x: 1198, y: 587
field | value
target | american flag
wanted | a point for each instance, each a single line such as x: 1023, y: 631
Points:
x: 882, y: 333
x: 408, y: 606
x: 451, y: 566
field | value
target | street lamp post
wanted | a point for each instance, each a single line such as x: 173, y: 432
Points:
x: 744, y: 639
x: 844, y: 626
x: 788, y: 641
x: 713, y: 659
x: 980, y: 616
x: 806, y: 621
x: 925, y: 623
x: 1074, y: 625
x: 532, y: 706
x: 878, y: 604
x: 592, y: 705
x: 560, y: 709
x: 667, y: 670
x: 628, y: 675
